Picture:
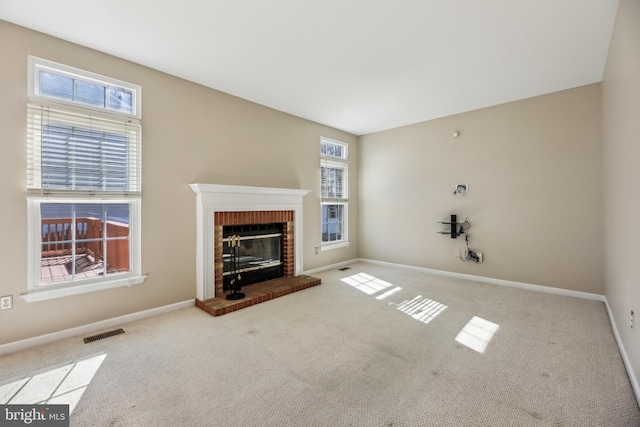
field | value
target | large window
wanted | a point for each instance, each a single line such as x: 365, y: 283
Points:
x: 83, y: 181
x: 334, y: 193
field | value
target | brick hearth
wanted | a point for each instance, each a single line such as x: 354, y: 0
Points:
x: 257, y: 293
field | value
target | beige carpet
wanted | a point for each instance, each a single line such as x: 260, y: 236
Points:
x: 383, y: 347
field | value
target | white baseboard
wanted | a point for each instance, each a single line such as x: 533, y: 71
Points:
x: 521, y: 285
x: 627, y: 363
x: 92, y: 327
x: 330, y: 267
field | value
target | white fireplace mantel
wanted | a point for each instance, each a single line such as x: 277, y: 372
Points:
x: 212, y: 198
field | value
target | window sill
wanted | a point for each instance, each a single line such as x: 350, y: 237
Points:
x: 44, y: 294
x: 337, y: 245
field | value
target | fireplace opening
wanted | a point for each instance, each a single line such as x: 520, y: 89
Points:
x: 252, y: 253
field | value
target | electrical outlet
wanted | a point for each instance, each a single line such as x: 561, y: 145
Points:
x: 6, y: 303
x: 317, y: 249
x: 460, y: 189
x: 633, y: 321
x: 472, y: 256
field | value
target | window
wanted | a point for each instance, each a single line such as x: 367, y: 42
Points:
x: 49, y: 81
x: 83, y: 181
x: 334, y: 193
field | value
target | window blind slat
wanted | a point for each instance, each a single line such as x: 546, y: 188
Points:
x: 69, y: 152
x: 334, y: 180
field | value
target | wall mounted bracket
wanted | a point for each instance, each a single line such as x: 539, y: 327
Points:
x: 453, y: 223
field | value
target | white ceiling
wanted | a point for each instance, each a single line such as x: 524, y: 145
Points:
x: 357, y: 65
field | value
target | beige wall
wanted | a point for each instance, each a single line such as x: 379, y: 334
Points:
x: 535, y: 200
x: 621, y: 127
x: 190, y: 134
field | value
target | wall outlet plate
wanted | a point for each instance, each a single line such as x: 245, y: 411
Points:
x: 461, y: 189
x: 6, y: 303
x: 477, y: 255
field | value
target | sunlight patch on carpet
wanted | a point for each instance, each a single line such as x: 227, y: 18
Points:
x: 389, y: 293
x: 367, y: 283
x: 477, y: 333
x: 60, y: 385
x: 422, y: 308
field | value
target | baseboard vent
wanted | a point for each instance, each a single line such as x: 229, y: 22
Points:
x: 344, y: 268
x: 103, y: 335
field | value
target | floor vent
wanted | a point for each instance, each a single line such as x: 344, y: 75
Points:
x: 344, y: 268
x: 103, y: 335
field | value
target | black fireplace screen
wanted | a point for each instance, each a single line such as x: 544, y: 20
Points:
x: 252, y: 253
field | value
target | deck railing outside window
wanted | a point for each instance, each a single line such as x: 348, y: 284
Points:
x: 87, y: 241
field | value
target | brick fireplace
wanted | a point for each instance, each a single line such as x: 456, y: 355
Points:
x: 218, y: 206
x: 222, y: 219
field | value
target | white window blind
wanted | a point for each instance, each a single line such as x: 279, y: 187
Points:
x: 334, y: 172
x: 80, y: 153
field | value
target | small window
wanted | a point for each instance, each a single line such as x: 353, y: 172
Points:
x: 68, y: 85
x: 83, y: 181
x: 334, y: 193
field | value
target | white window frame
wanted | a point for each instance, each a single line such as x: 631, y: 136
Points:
x: 336, y: 162
x: 36, y: 291
x: 39, y: 292
x: 37, y: 64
